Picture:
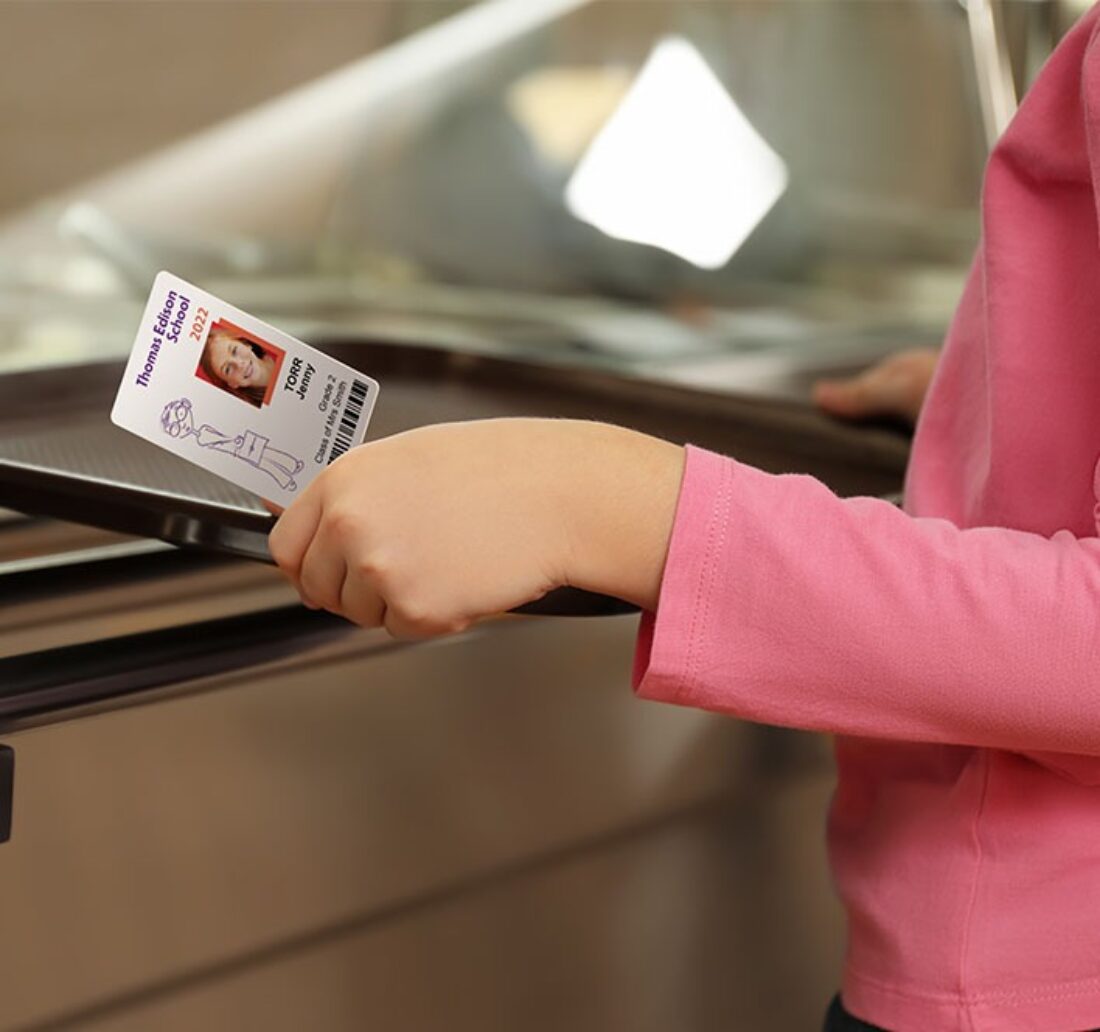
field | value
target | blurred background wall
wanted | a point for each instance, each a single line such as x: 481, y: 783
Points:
x: 88, y: 84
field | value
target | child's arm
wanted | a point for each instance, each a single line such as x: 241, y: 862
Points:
x: 780, y: 602
x: 427, y: 531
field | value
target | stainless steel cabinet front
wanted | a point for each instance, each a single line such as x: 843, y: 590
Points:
x: 346, y: 790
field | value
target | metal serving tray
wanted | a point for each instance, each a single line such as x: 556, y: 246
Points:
x: 61, y: 457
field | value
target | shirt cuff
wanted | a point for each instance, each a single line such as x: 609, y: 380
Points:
x: 667, y: 652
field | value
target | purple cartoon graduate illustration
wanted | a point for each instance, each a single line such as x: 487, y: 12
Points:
x: 177, y: 420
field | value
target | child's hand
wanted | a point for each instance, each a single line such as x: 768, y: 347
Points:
x: 430, y: 530
x: 896, y: 386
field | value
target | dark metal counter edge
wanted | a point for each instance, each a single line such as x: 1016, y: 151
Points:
x: 53, y: 680
x: 29, y: 583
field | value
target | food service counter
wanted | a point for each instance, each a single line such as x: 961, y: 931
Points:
x: 231, y: 812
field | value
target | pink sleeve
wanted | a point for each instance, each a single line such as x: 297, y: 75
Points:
x: 785, y: 604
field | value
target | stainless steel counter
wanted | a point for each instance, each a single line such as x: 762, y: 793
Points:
x: 231, y: 812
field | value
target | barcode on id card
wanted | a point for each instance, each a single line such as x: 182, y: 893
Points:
x: 349, y: 420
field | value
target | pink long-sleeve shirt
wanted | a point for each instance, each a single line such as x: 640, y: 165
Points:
x: 953, y: 648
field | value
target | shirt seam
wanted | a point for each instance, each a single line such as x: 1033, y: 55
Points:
x: 1090, y: 150
x: 719, y: 524
x: 971, y: 906
x: 1057, y: 991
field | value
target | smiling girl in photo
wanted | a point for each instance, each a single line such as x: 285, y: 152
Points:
x: 238, y: 365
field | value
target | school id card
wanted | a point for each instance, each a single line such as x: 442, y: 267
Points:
x: 242, y: 399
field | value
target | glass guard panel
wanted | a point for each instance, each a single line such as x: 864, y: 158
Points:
x: 654, y: 185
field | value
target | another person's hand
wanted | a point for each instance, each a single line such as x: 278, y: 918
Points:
x: 895, y: 387
x: 430, y: 530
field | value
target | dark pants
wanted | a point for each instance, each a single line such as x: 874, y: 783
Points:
x: 839, y: 1020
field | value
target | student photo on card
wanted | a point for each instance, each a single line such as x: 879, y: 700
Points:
x: 240, y: 363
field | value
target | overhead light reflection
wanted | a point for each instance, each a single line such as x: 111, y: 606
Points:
x: 678, y: 165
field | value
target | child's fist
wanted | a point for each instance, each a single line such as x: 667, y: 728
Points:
x: 428, y: 531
